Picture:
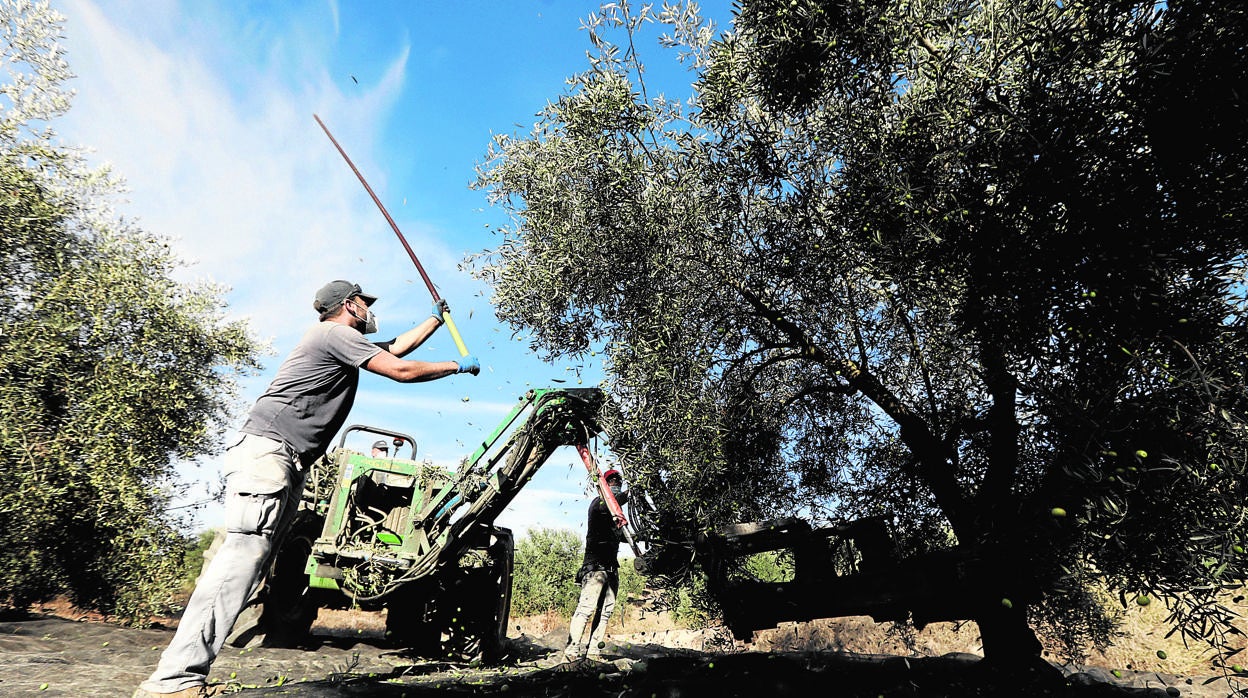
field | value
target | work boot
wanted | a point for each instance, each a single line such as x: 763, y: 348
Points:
x: 200, y: 691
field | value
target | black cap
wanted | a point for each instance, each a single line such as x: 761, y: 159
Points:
x: 336, y: 292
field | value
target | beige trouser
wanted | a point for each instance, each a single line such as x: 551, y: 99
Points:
x: 594, y: 609
x: 263, y: 483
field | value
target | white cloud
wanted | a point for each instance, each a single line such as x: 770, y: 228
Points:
x: 208, y: 117
x: 249, y: 187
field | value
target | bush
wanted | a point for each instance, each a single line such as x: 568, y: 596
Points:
x: 632, y: 584
x: 692, y: 606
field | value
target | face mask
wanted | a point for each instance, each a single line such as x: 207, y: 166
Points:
x: 616, y: 490
x: 370, y: 322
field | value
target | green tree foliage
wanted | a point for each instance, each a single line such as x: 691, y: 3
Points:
x: 110, y: 372
x: 545, y: 572
x: 975, y: 265
x: 193, y: 562
x: 771, y: 566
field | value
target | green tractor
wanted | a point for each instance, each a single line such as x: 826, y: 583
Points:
x: 415, y: 539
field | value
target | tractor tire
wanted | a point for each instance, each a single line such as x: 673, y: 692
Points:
x: 472, y: 612
x: 409, y: 621
x: 494, y: 628
x: 288, y: 607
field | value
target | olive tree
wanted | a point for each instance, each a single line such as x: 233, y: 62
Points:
x: 110, y: 371
x: 545, y: 572
x: 978, y: 266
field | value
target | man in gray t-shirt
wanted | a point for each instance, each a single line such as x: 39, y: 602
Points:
x: 309, y: 398
x: 289, y: 427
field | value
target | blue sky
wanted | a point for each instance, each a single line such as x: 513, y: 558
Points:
x: 205, y: 109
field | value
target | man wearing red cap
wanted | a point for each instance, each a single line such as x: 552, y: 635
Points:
x: 599, y: 575
x: 288, y: 429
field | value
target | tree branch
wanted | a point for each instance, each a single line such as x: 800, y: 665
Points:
x: 933, y: 454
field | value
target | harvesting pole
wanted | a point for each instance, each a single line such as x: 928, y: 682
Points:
x: 608, y: 498
x: 446, y: 315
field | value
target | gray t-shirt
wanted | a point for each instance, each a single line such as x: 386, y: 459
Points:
x: 313, y: 391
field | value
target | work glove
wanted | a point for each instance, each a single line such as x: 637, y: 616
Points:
x: 440, y: 307
x: 469, y: 364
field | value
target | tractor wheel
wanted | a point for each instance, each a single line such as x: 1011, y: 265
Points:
x: 289, y: 606
x: 409, y: 621
x: 498, y: 590
x: 472, y: 611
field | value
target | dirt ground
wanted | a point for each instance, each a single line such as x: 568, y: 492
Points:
x: 47, y: 655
